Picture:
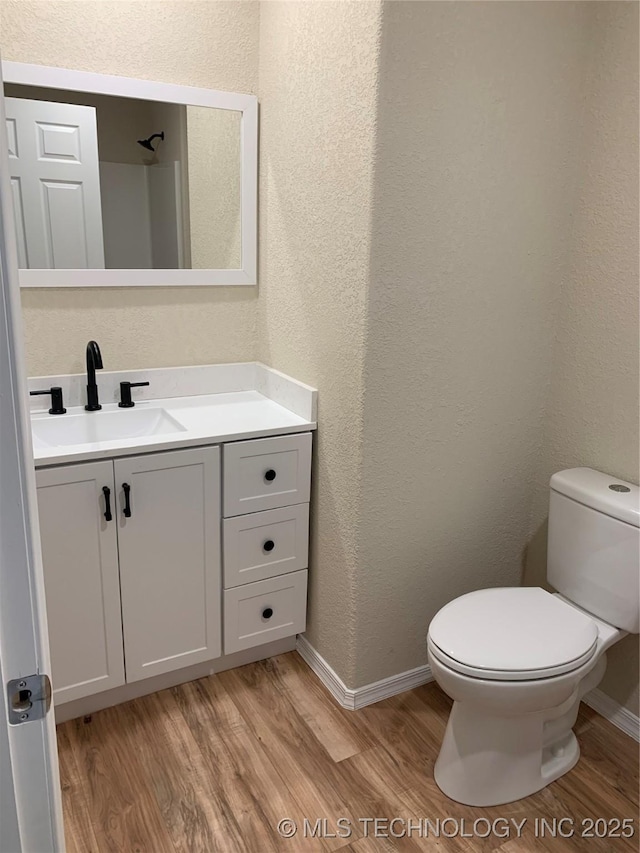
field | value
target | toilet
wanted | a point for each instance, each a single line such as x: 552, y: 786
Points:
x: 516, y: 661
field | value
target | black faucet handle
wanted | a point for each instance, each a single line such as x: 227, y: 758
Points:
x: 57, y: 404
x: 125, y: 393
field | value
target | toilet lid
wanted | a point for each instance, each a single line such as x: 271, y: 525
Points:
x: 513, y: 633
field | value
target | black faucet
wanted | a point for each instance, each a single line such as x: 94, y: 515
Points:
x: 94, y: 362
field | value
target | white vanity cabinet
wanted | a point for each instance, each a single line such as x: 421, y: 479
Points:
x: 156, y: 561
x: 180, y: 561
x: 80, y: 555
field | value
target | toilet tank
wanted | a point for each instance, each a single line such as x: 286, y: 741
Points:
x: 593, y: 556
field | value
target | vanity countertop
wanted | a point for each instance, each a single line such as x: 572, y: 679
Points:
x: 276, y: 405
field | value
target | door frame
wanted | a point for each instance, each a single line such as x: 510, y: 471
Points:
x: 31, y: 807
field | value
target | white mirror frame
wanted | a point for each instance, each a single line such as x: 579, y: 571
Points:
x: 127, y: 87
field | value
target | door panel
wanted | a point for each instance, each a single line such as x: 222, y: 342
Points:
x: 64, y: 212
x: 170, y: 560
x: 59, y: 142
x: 12, y: 138
x: 80, y: 555
x: 54, y: 159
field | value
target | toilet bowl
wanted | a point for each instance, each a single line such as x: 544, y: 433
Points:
x: 517, y: 660
x: 510, y: 730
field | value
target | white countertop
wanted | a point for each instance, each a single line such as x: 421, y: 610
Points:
x: 208, y: 418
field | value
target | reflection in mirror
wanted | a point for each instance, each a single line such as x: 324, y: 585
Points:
x: 107, y: 182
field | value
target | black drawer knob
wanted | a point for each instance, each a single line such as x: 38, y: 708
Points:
x: 269, y: 545
x: 270, y: 475
x: 267, y: 613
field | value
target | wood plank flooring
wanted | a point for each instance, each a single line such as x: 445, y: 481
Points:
x: 216, y: 764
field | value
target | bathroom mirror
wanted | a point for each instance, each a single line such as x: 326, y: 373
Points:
x: 123, y: 182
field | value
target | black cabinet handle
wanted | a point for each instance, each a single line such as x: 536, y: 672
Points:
x: 267, y: 613
x: 126, y: 488
x: 269, y: 545
x: 270, y: 475
x: 106, y: 491
x: 57, y: 405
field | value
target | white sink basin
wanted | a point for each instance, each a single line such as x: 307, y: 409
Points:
x: 96, y: 427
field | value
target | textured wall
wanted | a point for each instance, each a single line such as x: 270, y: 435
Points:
x: 318, y: 66
x: 213, y: 142
x: 415, y: 254
x: 476, y: 116
x: 593, y: 401
x: 200, y: 43
x: 420, y: 167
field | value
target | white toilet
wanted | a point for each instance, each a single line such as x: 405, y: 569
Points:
x: 516, y: 661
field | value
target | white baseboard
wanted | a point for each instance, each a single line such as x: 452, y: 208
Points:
x: 617, y: 714
x: 604, y: 705
x: 361, y: 696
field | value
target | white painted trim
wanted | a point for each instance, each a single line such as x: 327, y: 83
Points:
x: 134, y: 278
x: 353, y: 699
x: 604, y: 705
x: 616, y: 714
x: 53, y: 77
x: 249, y: 191
x: 331, y: 680
x: 128, y: 87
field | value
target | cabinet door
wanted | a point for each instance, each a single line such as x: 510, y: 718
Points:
x: 80, y: 556
x: 169, y: 559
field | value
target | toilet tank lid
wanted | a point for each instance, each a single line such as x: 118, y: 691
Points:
x: 601, y: 492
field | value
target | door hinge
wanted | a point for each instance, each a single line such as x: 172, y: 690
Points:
x: 28, y: 698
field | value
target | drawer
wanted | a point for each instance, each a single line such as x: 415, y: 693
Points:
x: 265, y: 544
x: 266, y: 473
x: 261, y: 612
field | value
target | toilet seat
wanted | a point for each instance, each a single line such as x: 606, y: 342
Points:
x: 512, y: 634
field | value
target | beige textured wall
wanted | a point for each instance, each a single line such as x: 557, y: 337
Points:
x: 416, y: 269
x: 213, y: 142
x: 194, y: 42
x: 420, y: 165
x: 593, y: 400
x: 318, y: 77
x: 477, y: 112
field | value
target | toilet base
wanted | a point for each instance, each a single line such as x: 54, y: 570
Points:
x: 505, y: 740
x: 488, y: 760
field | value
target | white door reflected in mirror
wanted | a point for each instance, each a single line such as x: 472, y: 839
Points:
x: 123, y: 182
x: 55, y: 184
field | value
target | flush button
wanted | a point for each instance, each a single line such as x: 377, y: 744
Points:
x: 618, y: 487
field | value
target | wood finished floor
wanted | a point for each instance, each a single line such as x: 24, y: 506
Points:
x: 214, y: 765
